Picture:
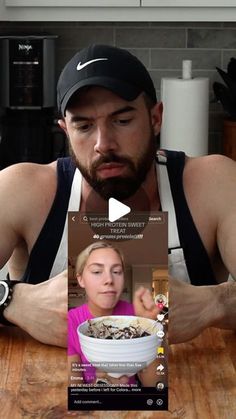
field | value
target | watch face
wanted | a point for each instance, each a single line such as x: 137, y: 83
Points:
x: 3, y: 292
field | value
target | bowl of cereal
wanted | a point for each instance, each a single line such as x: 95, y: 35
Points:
x: 120, y: 345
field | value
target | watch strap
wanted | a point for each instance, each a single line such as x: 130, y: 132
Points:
x: 11, y: 285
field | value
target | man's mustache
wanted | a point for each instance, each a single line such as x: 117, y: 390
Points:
x: 111, y: 158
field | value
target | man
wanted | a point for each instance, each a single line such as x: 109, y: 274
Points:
x: 111, y: 116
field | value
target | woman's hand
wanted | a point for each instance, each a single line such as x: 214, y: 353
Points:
x: 103, y: 376
x: 144, y: 305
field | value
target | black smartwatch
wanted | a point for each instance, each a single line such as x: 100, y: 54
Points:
x: 6, y: 291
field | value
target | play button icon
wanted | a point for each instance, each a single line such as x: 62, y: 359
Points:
x: 116, y: 209
x: 117, y: 220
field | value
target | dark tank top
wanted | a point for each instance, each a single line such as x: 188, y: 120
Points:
x: 44, y: 251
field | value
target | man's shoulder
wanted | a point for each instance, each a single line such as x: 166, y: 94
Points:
x: 209, y: 168
x: 26, y: 168
x: 209, y: 187
x: 27, y: 190
x: 209, y: 183
x: 19, y: 176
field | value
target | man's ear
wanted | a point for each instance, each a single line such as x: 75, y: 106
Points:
x: 156, y: 117
x: 62, y: 125
x: 80, y: 280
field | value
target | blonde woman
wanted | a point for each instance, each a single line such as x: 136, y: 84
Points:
x: 100, y: 270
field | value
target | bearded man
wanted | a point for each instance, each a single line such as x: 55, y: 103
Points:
x: 110, y: 114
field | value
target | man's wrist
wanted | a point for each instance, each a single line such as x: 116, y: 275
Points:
x: 226, y: 298
x: 210, y: 307
x: 6, y: 293
x: 14, y: 311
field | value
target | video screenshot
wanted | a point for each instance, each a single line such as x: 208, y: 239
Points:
x: 117, y: 311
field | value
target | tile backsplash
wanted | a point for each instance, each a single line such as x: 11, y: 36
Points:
x: 160, y: 46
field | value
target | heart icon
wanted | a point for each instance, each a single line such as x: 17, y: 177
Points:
x: 160, y: 317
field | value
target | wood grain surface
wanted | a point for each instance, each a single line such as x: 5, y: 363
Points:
x: 202, y: 379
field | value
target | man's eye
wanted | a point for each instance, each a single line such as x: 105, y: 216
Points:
x: 84, y: 127
x: 122, y: 121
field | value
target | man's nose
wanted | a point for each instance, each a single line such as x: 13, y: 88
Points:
x: 105, y: 140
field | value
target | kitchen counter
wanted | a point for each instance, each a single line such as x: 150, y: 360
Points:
x: 202, y: 379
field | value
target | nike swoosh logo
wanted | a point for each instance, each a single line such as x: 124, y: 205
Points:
x: 80, y: 66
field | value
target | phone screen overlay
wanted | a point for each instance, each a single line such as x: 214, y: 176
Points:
x: 117, y: 312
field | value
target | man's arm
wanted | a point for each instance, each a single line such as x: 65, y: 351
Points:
x: 226, y: 227
x: 192, y: 308
x: 226, y: 240
x: 41, y: 310
x: 26, y: 195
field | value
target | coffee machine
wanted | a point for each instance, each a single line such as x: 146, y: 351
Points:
x: 27, y: 98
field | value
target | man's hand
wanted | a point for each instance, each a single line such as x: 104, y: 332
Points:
x: 41, y: 310
x: 143, y: 303
x: 192, y: 309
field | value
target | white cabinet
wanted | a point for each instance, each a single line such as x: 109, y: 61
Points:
x: 118, y: 10
x: 72, y: 3
x: 188, y: 3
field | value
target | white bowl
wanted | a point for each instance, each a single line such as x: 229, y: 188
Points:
x: 121, y: 356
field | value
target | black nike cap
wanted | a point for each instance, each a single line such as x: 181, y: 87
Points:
x: 114, y: 68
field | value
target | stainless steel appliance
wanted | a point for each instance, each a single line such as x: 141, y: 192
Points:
x: 27, y: 98
x: 27, y: 72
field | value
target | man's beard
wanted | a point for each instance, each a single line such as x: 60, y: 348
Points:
x: 119, y: 187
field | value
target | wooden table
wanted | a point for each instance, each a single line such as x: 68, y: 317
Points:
x: 202, y: 379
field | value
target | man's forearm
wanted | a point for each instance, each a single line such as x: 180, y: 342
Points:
x: 15, y: 312
x: 226, y: 297
x: 194, y: 308
x: 41, y: 310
